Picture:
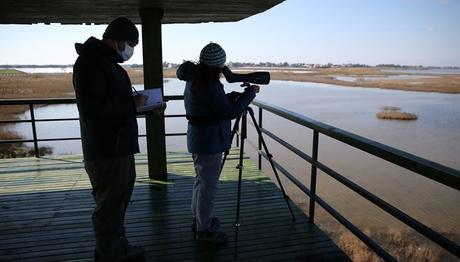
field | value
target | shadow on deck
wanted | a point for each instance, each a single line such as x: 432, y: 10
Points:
x: 46, y: 209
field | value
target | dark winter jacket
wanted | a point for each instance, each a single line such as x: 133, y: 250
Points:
x: 105, y: 102
x: 210, y: 113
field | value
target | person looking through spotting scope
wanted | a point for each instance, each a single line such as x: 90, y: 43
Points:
x: 209, y: 111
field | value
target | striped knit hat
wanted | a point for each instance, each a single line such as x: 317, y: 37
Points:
x: 212, y: 55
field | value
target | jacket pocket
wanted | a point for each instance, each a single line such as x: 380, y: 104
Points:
x: 125, y: 139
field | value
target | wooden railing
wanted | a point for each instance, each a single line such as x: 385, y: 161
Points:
x: 33, y: 103
x: 434, y: 171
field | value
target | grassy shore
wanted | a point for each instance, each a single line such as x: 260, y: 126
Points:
x: 9, y: 71
x: 15, y: 84
x: 20, y: 85
x: 429, y: 83
x: 363, y: 78
x: 404, y: 245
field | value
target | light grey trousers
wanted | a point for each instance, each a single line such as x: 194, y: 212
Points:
x: 112, y: 180
x: 207, y: 169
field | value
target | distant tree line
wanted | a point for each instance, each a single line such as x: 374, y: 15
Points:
x: 260, y: 64
x: 416, y: 67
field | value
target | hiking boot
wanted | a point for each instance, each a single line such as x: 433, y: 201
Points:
x: 124, y: 252
x: 211, y: 236
x: 133, y: 253
x: 215, y: 223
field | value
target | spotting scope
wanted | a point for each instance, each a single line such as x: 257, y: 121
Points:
x: 259, y: 78
x: 187, y: 71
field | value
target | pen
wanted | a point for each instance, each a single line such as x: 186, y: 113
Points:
x: 135, y: 91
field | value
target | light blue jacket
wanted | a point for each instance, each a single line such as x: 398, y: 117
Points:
x: 210, y: 112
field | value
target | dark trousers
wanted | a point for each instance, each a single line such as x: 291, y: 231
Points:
x: 112, y: 180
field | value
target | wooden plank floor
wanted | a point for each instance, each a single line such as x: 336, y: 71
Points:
x: 46, y: 207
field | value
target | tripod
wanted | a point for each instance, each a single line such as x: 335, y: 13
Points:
x: 243, y: 136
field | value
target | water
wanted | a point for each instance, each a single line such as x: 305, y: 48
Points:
x: 64, y: 69
x: 434, y: 135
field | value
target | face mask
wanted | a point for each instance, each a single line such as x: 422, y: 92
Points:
x: 127, y: 53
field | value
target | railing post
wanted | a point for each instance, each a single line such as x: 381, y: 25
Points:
x: 237, y: 136
x: 313, y: 176
x: 34, y: 129
x: 259, y: 140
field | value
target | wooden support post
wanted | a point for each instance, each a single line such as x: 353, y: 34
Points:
x: 153, y: 78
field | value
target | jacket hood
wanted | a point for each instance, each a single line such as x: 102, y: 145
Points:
x: 94, y: 46
x: 186, y: 71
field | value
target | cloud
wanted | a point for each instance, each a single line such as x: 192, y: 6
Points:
x: 429, y: 28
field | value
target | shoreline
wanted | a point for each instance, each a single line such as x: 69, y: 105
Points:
x: 363, y: 78
x: 17, y: 84
x: 375, y: 78
x: 37, y: 85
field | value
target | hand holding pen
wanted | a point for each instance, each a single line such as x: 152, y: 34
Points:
x: 139, y: 99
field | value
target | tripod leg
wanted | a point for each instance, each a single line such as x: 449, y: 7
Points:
x: 235, y: 128
x: 270, y: 156
x: 240, y: 165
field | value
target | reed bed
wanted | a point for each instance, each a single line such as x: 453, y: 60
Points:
x: 404, y: 245
x: 18, y: 85
x: 18, y: 149
x: 394, y: 113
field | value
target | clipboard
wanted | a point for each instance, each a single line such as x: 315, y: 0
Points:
x: 154, y: 100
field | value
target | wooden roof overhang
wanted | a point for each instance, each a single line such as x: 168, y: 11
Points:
x: 103, y: 11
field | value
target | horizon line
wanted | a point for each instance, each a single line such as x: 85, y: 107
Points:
x: 270, y: 64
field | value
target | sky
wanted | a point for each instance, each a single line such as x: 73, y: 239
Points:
x: 405, y: 32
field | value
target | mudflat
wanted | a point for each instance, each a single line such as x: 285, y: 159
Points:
x: 375, y: 77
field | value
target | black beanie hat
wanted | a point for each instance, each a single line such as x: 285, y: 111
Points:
x: 122, y: 29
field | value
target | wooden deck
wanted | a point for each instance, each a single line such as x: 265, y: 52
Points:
x: 46, y: 207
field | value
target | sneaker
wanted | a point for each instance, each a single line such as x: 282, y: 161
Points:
x: 215, y: 223
x: 211, y: 236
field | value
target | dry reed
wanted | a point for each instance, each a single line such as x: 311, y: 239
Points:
x: 394, y: 113
x: 439, y: 84
x: 402, y: 244
x: 14, y: 150
x: 18, y: 85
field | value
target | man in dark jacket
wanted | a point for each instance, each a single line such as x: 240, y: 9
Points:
x: 109, y: 133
